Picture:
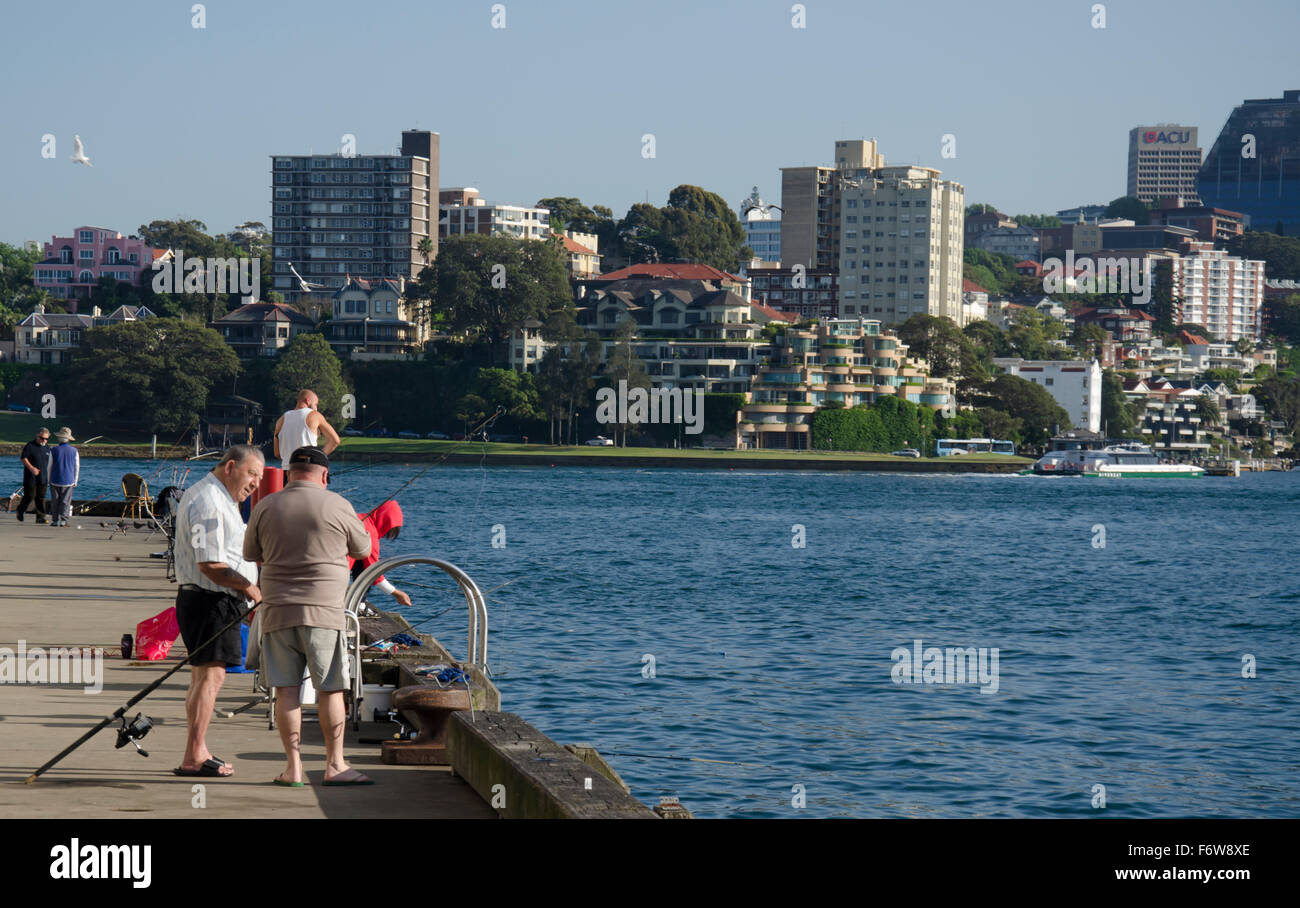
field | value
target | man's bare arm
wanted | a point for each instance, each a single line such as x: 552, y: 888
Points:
x: 278, y: 423
x: 31, y: 466
x: 223, y: 574
x: 331, y: 437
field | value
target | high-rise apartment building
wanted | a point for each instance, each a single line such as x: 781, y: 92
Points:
x: 810, y: 212
x: 360, y: 215
x: 1163, y: 161
x: 1254, y: 165
x: 1223, y: 292
x: 901, y: 237
x: 806, y: 220
x: 895, y: 234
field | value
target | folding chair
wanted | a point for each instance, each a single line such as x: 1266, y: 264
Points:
x: 135, y: 492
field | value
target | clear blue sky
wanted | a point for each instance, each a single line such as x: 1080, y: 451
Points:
x: 180, y: 122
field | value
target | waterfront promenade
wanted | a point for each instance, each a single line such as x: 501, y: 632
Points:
x: 74, y: 587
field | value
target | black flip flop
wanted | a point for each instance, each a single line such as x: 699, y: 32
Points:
x: 211, y: 769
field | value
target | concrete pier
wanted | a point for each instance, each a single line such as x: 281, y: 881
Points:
x: 75, y: 587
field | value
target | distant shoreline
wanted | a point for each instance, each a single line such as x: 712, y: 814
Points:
x: 704, y: 460
x: 718, y: 461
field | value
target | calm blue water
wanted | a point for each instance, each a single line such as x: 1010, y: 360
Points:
x: 1118, y: 666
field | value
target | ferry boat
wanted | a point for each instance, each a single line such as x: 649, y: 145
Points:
x: 1131, y: 460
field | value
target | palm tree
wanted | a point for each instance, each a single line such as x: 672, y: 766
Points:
x: 1207, y: 408
x: 425, y: 247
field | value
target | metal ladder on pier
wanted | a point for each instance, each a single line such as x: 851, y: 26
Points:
x: 478, y: 617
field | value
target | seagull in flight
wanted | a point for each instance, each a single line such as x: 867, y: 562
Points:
x: 80, y: 154
x: 302, y: 284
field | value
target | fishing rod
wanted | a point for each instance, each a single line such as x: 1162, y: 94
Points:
x: 136, y: 729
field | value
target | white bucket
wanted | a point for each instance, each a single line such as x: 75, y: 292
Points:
x: 377, y: 696
x: 308, y: 691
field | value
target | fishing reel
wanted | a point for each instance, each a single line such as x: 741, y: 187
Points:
x: 133, y: 731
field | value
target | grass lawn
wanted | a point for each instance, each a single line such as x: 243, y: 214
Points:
x: 353, y: 447
x: 20, y: 428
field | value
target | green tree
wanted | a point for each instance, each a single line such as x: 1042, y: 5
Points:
x: 1037, y: 221
x: 486, y: 286
x: 1207, y: 408
x: 962, y: 424
x: 997, y: 269
x: 155, y: 374
x: 988, y: 338
x: 307, y: 361
x: 980, y: 208
x: 999, y: 424
x: 580, y: 368
x: 1039, y: 413
x: 551, y: 390
x: 513, y: 392
x: 1281, y: 254
x: 1280, y: 398
x: 695, y: 226
x: 1088, y: 338
x: 187, y: 234
x: 570, y: 213
x: 471, y: 410
x: 1283, y: 317
x: 625, y: 365
x: 1032, y: 334
x: 1118, y: 414
x: 16, y: 273
x: 1230, y: 377
x: 1129, y: 207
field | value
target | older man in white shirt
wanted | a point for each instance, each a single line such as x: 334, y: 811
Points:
x: 215, y: 580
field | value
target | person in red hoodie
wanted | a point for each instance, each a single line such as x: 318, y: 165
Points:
x: 384, y: 522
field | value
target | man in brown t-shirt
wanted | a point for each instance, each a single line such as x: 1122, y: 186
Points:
x: 303, y: 536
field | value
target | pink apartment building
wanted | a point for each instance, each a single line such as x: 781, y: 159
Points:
x: 74, y: 264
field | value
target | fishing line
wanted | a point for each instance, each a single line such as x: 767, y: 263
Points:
x: 469, y: 438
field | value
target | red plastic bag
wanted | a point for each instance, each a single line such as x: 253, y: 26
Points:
x: 154, y: 636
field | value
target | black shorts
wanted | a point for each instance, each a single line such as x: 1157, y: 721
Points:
x: 201, y: 614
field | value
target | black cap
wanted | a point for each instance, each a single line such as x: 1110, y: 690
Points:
x: 310, y: 454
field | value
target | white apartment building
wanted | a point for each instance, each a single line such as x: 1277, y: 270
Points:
x: 462, y: 211
x: 901, y: 237
x: 1223, y: 292
x: 1073, y: 384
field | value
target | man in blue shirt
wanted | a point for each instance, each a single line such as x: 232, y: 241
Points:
x: 36, y: 474
x: 65, y: 470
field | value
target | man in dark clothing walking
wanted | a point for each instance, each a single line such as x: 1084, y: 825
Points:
x: 36, y: 474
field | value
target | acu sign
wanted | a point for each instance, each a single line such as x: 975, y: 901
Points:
x: 1159, y: 137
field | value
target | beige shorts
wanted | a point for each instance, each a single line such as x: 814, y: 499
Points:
x: 287, y: 652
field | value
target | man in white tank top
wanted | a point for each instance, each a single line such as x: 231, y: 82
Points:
x: 303, y: 426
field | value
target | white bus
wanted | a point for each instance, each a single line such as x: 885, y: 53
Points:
x: 946, y: 447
